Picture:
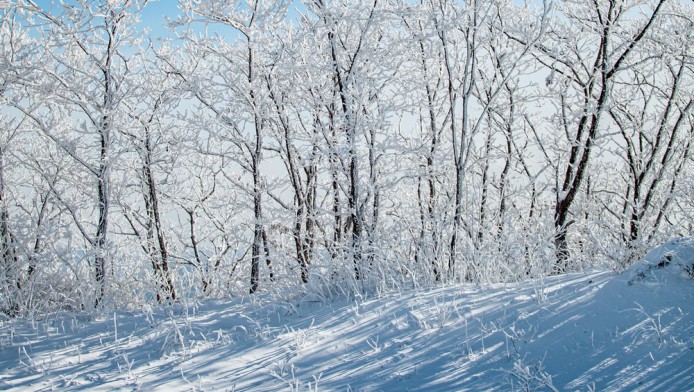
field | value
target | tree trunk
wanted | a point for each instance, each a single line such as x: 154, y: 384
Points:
x: 604, y: 70
x: 9, y: 263
x: 160, y: 262
x: 256, y: 249
x: 103, y: 194
x: 258, y: 227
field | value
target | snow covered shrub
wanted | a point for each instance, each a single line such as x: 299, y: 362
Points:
x: 675, y: 257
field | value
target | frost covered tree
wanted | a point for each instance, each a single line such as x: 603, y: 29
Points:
x: 586, y: 49
x: 90, y: 45
x: 474, y: 77
x: 295, y: 125
x: 433, y: 116
x: 360, y: 57
x: 18, y: 52
x: 152, y: 143
x: 231, y: 88
x: 359, y: 144
x: 653, y: 112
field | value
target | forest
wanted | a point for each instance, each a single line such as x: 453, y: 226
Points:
x: 336, y: 145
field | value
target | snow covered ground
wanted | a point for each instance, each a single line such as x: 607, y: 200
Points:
x: 593, y: 331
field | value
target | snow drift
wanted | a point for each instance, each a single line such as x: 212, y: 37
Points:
x: 589, y: 331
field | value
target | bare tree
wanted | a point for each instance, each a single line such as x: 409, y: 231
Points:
x: 349, y: 45
x: 11, y: 45
x: 157, y: 96
x: 300, y: 154
x: 585, y: 50
x: 88, y: 81
x: 251, y: 21
x: 433, y: 117
x: 463, y: 39
x: 654, y: 117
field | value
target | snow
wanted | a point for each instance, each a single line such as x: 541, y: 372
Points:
x: 590, y: 331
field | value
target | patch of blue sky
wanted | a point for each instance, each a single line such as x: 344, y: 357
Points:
x: 156, y: 16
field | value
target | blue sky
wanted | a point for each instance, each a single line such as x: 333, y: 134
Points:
x: 155, y: 14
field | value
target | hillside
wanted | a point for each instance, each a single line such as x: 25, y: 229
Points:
x: 590, y: 331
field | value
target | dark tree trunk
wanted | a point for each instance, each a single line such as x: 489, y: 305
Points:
x: 583, y: 140
x: 155, y: 234
x: 9, y: 263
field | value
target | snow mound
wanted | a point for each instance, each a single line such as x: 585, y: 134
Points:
x: 675, y: 258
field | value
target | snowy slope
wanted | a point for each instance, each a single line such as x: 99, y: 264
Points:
x: 594, y: 331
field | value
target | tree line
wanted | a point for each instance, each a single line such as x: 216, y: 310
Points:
x: 349, y: 145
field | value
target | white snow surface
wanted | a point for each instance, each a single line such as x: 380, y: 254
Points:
x: 589, y: 331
